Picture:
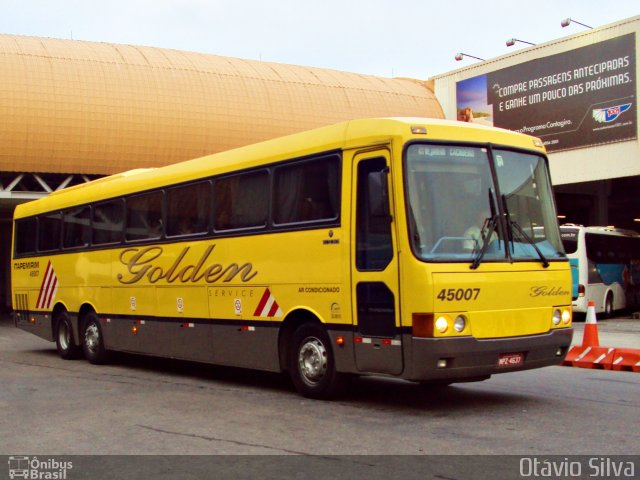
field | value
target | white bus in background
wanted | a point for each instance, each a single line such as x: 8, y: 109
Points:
x: 605, y: 267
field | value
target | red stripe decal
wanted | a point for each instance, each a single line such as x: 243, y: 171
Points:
x: 44, y: 281
x: 262, y: 303
x: 274, y: 309
x: 52, y: 289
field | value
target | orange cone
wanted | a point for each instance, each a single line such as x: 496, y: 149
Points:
x: 590, y: 338
x: 590, y: 354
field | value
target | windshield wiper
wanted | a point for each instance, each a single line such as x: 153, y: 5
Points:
x: 490, y: 224
x: 512, y: 224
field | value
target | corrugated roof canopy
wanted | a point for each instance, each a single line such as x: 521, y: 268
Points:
x: 81, y: 107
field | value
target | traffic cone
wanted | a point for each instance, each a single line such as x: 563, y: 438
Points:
x: 590, y: 338
x: 590, y: 354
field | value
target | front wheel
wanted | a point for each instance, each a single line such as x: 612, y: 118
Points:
x: 93, y: 341
x: 64, y: 338
x: 312, y: 364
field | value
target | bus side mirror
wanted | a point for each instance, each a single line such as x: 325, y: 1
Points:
x: 378, y: 194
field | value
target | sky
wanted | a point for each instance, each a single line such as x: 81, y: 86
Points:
x: 389, y: 38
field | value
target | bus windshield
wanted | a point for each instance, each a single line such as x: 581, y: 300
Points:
x: 456, y: 214
x: 569, y: 239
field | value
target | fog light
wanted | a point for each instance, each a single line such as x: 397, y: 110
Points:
x: 566, y: 316
x: 559, y: 352
x: 442, y: 325
x: 460, y: 323
x: 556, y: 317
x: 442, y: 363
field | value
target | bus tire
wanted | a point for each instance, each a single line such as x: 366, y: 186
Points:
x: 312, y: 364
x: 608, y: 306
x: 93, y: 340
x: 64, y: 337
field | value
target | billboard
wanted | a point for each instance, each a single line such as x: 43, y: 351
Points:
x: 574, y: 99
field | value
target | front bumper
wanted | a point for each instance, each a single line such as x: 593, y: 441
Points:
x: 470, y: 358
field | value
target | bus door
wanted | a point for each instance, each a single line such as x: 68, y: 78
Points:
x: 374, y: 261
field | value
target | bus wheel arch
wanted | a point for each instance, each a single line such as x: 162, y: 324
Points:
x: 608, y: 305
x: 63, y: 333
x: 289, y: 325
x: 311, y: 359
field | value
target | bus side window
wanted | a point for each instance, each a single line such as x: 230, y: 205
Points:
x: 76, y: 228
x: 188, y: 209
x: 144, y: 217
x: 26, y: 236
x: 242, y: 201
x: 307, y: 191
x: 107, y: 222
x: 49, y: 232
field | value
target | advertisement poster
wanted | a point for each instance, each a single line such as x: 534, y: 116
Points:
x: 570, y: 100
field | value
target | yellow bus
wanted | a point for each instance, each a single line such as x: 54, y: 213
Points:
x: 422, y: 249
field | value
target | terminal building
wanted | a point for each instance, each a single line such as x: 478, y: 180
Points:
x: 73, y: 111
x: 579, y: 95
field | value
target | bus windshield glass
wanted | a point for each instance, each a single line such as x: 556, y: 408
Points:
x: 569, y: 239
x: 455, y: 213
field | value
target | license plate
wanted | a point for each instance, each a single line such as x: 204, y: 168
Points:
x: 510, y: 359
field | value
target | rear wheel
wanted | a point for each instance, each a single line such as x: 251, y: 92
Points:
x: 312, y: 364
x: 93, y: 341
x: 64, y: 337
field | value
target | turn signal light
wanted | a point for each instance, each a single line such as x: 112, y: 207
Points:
x: 422, y: 325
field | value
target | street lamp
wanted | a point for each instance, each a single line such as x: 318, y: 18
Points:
x: 567, y: 21
x: 512, y: 41
x: 460, y: 55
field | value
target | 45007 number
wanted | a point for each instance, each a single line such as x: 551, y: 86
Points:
x: 458, y: 294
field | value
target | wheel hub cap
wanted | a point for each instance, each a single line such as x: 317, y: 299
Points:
x: 92, y: 338
x: 312, y: 360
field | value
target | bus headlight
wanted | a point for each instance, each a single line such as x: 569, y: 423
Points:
x: 442, y: 325
x: 557, y: 316
x: 566, y: 316
x: 460, y: 323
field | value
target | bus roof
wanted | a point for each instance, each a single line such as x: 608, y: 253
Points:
x: 346, y: 135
